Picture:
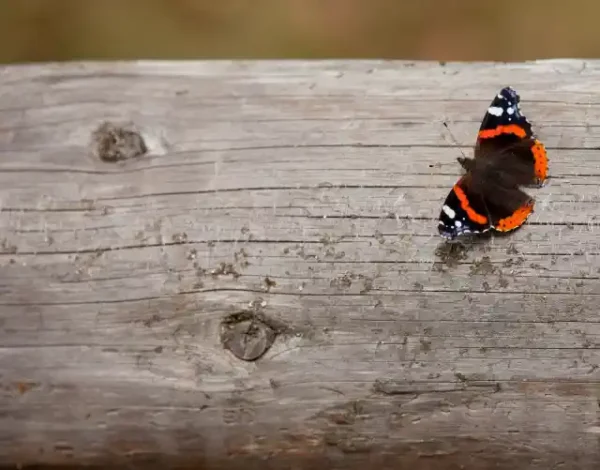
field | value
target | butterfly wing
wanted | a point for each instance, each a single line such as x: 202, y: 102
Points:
x: 463, y: 212
x: 505, y: 126
x: 504, y: 118
x: 507, y: 156
x: 497, y: 179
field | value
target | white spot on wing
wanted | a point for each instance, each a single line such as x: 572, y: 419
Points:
x: 495, y: 111
x: 458, y: 223
x: 510, y: 111
x: 459, y: 231
x: 448, y: 211
x: 500, y: 96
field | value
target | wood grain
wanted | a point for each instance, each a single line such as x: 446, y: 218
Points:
x: 305, y: 194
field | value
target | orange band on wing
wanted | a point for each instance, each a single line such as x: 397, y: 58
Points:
x: 464, y: 203
x: 540, y: 160
x: 515, y: 220
x: 510, y: 129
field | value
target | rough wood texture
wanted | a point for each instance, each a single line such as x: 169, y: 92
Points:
x: 302, y: 197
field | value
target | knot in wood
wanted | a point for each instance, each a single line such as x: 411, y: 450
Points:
x: 248, y: 338
x: 112, y: 143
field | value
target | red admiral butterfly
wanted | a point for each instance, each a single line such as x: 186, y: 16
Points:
x: 507, y: 156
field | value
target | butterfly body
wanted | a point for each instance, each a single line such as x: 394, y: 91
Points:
x: 507, y: 156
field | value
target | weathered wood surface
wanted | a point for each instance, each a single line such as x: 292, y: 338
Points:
x: 306, y: 194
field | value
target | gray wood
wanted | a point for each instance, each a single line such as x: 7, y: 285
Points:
x: 305, y: 196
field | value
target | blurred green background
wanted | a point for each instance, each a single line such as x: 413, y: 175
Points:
x: 50, y: 30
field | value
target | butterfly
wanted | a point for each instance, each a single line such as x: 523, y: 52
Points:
x: 507, y: 156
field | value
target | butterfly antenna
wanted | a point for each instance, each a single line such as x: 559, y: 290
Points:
x: 454, y: 141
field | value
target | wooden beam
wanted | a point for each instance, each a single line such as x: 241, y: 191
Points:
x: 258, y: 281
